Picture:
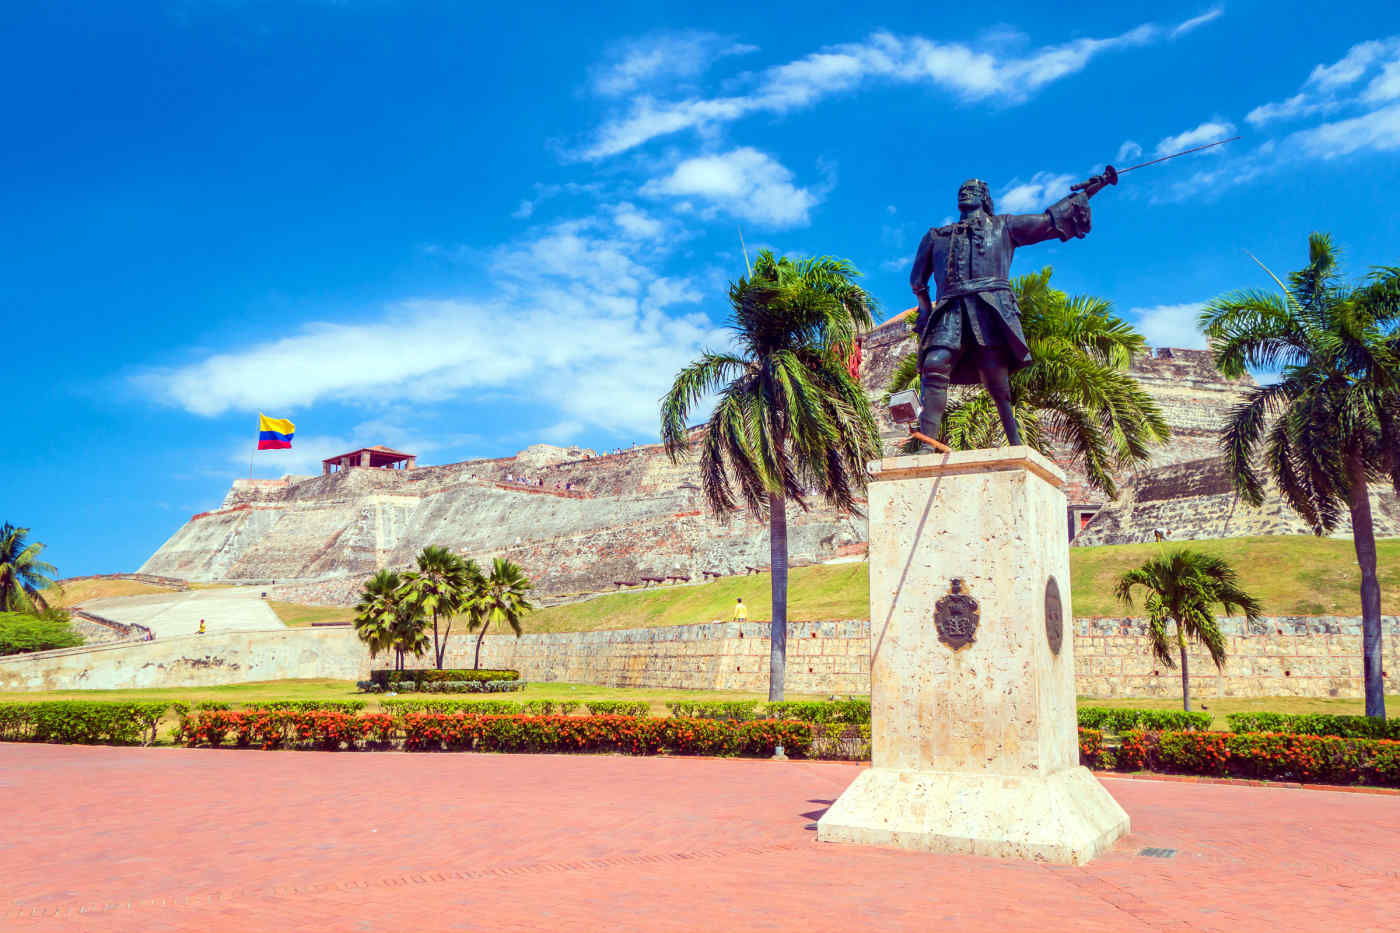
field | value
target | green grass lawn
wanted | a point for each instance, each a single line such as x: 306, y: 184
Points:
x: 265, y: 691
x: 1290, y: 575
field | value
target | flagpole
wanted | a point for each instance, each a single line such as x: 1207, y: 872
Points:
x: 252, y: 453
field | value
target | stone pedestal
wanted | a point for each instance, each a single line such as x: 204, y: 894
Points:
x: 975, y: 743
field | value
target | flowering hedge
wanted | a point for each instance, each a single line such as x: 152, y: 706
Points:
x: 1264, y: 755
x: 266, y: 729
x: 635, y: 735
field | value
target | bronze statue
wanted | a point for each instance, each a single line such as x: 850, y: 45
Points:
x: 975, y: 327
x: 973, y: 333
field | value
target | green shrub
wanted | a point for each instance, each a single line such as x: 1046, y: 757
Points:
x: 739, y: 711
x: 455, y: 686
x: 81, y: 722
x: 842, y: 741
x: 478, y: 707
x: 1352, y: 727
x: 386, y: 677
x: 20, y: 633
x: 549, y: 707
x: 308, y: 706
x: 847, y: 711
x: 1117, y: 720
x: 617, y: 708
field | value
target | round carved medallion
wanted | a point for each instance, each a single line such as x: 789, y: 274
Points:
x: 1054, y: 616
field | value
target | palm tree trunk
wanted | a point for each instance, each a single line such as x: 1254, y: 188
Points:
x: 1363, y: 538
x: 1185, y: 674
x: 778, y: 558
x: 437, y: 651
x: 476, y: 664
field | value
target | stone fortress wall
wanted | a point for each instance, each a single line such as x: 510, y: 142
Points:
x: 588, y: 523
x: 1317, y: 657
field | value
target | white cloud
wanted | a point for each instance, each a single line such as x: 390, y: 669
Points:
x: 1197, y: 22
x: 1129, y: 150
x: 567, y: 328
x: 969, y: 73
x: 525, y: 209
x: 647, y: 61
x: 1378, y: 130
x: 636, y: 223
x: 743, y: 183
x: 1040, y: 192
x: 1322, y: 92
x: 1170, y: 325
x: 1207, y: 132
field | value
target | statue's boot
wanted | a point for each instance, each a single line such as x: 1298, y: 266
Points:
x: 933, y: 396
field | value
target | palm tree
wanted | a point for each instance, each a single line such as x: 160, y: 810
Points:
x: 499, y: 597
x: 789, y: 416
x: 437, y: 589
x: 1181, y: 586
x: 384, y: 621
x: 23, y: 576
x: 1335, y: 408
x: 1075, y: 392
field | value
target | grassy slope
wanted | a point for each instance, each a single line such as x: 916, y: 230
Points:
x: 80, y: 591
x: 830, y: 591
x: 296, y: 615
x: 1296, y: 575
x: 1290, y: 575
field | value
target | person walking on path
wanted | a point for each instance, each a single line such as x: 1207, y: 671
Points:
x: 201, y: 627
x: 740, y: 613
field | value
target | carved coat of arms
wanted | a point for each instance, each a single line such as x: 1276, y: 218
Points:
x: 955, y: 616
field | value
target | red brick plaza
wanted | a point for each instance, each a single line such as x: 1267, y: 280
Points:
x: 174, y: 839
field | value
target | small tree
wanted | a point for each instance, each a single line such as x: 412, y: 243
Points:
x: 384, y: 621
x: 437, y: 589
x: 1181, y: 587
x: 499, y: 597
x: 23, y: 576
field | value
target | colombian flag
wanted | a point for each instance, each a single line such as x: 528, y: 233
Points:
x: 274, y: 433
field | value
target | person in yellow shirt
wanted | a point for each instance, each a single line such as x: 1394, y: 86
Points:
x: 740, y: 613
x: 201, y: 626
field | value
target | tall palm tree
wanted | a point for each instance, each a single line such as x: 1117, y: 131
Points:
x: 1076, y: 391
x: 437, y: 589
x: 1182, y: 585
x: 789, y: 415
x: 23, y: 576
x: 384, y: 621
x: 499, y: 597
x: 1335, y: 408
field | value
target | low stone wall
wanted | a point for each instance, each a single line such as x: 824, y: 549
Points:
x: 1282, y: 656
x: 823, y: 657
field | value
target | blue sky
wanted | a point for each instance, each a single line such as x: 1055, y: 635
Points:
x: 459, y: 229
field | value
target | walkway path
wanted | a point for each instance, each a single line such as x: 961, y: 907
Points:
x: 178, y: 839
x: 224, y: 609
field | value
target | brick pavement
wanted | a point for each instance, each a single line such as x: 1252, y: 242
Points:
x: 111, y: 839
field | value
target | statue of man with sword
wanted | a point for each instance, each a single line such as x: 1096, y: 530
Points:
x: 970, y: 330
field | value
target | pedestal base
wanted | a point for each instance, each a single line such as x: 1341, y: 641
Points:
x: 1068, y: 817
